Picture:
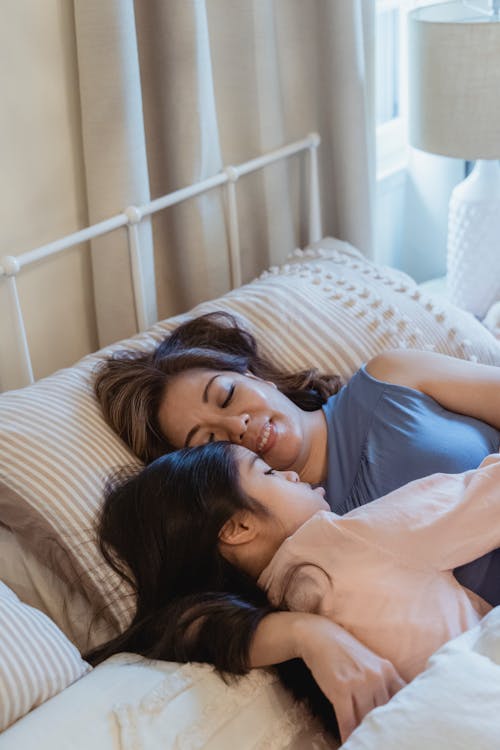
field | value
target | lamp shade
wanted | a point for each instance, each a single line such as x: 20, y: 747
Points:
x: 454, y: 81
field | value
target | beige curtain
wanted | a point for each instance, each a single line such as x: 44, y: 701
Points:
x: 172, y: 90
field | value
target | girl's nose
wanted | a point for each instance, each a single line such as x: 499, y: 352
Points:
x: 290, y: 476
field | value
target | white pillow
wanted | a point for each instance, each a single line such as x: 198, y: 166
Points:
x: 328, y: 307
x: 36, y: 660
x: 130, y: 703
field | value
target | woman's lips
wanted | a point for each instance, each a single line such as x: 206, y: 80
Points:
x: 266, y: 439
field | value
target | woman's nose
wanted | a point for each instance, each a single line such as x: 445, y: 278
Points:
x: 236, y: 427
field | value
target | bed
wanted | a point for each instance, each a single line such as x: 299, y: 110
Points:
x: 325, y: 304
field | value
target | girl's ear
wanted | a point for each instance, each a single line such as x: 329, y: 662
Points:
x: 240, y: 529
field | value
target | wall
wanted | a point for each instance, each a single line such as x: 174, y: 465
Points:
x: 42, y: 191
x: 412, y: 214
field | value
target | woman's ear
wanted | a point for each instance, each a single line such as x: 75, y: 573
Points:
x: 255, y: 377
x: 240, y: 529
x: 249, y: 374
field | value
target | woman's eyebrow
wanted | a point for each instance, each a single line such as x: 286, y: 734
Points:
x: 195, y: 429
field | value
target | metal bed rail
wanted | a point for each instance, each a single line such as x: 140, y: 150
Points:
x: 11, y: 266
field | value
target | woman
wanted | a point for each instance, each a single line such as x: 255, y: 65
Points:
x: 405, y: 415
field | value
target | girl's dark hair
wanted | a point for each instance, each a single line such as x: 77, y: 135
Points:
x: 130, y: 386
x: 159, y: 530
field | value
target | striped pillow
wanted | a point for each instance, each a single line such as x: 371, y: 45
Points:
x: 36, y: 660
x: 328, y: 307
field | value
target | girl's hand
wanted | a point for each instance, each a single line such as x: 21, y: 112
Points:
x: 353, y: 678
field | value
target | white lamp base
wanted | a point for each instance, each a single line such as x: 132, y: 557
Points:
x: 473, y: 265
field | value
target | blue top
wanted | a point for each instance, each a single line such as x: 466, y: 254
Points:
x: 381, y: 436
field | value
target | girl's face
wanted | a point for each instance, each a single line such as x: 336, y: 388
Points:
x: 202, y: 406
x: 288, y: 500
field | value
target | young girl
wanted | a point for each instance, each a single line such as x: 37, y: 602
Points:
x: 218, y: 519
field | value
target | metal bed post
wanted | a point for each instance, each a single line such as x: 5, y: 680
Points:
x: 10, y: 268
x: 315, y: 231
x: 234, y: 233
x: 134, y: 216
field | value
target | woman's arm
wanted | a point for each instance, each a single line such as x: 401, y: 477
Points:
x: 458, y: 385
x: 352, y: 677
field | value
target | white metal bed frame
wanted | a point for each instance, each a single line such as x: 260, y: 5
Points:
x: 11, y: 265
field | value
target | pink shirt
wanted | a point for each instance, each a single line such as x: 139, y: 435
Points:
x: 384, y: 571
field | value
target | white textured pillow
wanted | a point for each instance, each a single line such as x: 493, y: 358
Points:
x: 328, y: 307
x: 131, y: 703
x: 36, y: 660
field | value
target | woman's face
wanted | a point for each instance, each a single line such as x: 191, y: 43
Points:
x: 288, y: 500
x: 202, y: 405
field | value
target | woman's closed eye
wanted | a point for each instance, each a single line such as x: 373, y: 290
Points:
x: 228, y: 397
x: 270, y: 472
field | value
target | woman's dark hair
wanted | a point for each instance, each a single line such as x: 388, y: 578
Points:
x: 130, y: 386
x: 159, y: 530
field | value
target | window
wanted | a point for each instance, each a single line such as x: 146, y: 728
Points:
x: 390, y: 81
x: 387, y: 61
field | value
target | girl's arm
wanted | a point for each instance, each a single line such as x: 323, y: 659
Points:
x: 353, y: 678
x: 458, y: 385
x: 235, y: 635
x: 444, y: 520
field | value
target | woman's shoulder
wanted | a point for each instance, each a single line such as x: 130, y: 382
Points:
x: 353, y: 407
x: 397, y: 366
x: 394, y: 375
